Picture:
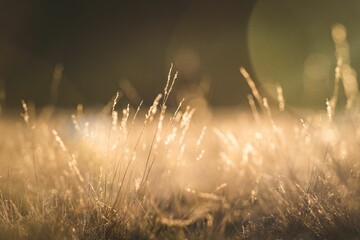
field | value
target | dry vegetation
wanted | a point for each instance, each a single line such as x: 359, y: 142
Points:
x: 157, y: 175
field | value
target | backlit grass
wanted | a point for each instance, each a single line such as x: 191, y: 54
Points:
x: 138, y: 173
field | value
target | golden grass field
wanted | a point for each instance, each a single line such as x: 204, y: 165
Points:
x: 155, y: 173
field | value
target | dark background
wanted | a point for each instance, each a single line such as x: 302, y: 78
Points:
x: 103, y: 46
x: 100, y: 43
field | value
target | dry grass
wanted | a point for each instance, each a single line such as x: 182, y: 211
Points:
x: 91, y: 176
x: 158, y: 175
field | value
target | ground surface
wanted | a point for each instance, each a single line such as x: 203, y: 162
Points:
x: 176, y: 175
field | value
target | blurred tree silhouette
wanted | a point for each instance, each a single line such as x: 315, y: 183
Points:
x: 100, y: 43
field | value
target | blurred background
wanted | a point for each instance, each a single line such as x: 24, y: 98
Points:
x: 71, y: 52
